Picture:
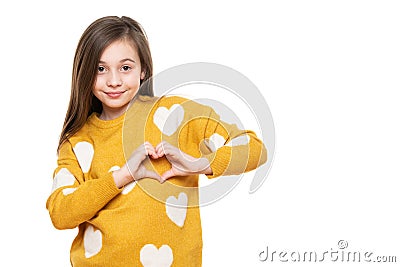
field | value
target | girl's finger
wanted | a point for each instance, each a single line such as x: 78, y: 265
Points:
x: 166, y: 175
x: 153, y: 154
x: 153, y: 175
x: 160, y: 149
x: 150, y: 151
x: 165, y: 148
x: 158, y: 146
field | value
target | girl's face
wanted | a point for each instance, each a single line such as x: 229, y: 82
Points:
x: 118, y: 78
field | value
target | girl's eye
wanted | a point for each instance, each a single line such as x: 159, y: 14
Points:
x: 126, y: 68
x: 101, y: 69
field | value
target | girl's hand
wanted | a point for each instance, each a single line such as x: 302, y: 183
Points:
x: 134, y: 170
x: 182, y: 163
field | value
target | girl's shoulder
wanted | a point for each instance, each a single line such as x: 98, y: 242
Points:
x: 185, y: 102
x: 146, y: 98
x: 162, y: 100
x: 165, y: 100
x: 181, y: 104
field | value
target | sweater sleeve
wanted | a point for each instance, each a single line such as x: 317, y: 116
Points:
x: 229, y: 149
x: 75, y: 198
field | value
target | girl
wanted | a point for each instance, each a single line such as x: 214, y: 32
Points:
x: 116, y: 134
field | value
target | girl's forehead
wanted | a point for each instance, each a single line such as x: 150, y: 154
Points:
x: 119, y: 48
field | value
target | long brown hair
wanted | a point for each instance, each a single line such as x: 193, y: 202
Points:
x: 100, y: 34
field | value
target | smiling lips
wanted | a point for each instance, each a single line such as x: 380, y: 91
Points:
x: 114, y: 94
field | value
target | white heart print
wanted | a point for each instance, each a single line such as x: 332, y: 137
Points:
x: 68, y: 191
x: 238, y: 141
x: 215, y: 141
x: 84, y: 153
x: 168, y: 120
x: 150, y: 256
x: 63, y: 178
x: 92, y: 241
x: 176, y: 208
x: 127, y: 188
x: 114, y: 168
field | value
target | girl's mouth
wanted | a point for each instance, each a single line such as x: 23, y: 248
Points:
x: 115, y: 94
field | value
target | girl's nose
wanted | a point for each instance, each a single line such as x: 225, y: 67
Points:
x: 114, y: 80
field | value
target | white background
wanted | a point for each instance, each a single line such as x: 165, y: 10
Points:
x: 329, y: 71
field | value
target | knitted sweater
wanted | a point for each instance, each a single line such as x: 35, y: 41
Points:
x: 145, y: 223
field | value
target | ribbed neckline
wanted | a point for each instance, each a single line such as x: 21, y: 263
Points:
x: 96, y: 121
x: 104, y: 124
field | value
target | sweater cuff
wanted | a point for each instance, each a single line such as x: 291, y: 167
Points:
x: 219, y: 161
x: 107, y: 189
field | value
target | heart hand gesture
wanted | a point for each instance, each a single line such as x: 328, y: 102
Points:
x: 134, y: 169
x: 182, y: 164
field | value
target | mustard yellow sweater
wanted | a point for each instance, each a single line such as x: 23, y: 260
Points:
x: 145, y: 223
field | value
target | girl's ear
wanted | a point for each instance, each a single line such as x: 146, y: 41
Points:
x: 142, y: 75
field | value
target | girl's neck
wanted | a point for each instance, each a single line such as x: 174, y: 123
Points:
x: 108, y: 114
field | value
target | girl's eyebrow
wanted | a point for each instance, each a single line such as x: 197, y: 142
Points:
x: 127, y: 59
x: 121, y: 61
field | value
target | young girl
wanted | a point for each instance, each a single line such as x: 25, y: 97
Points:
x: 128, y: 162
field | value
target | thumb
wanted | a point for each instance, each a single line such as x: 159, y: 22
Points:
x: 166, y: 175
x: 153, y: 175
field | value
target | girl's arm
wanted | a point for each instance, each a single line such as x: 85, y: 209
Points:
x: 216, y: 148
x: 230, y: 150
x: 77, y: 198
x: 74, y: 198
